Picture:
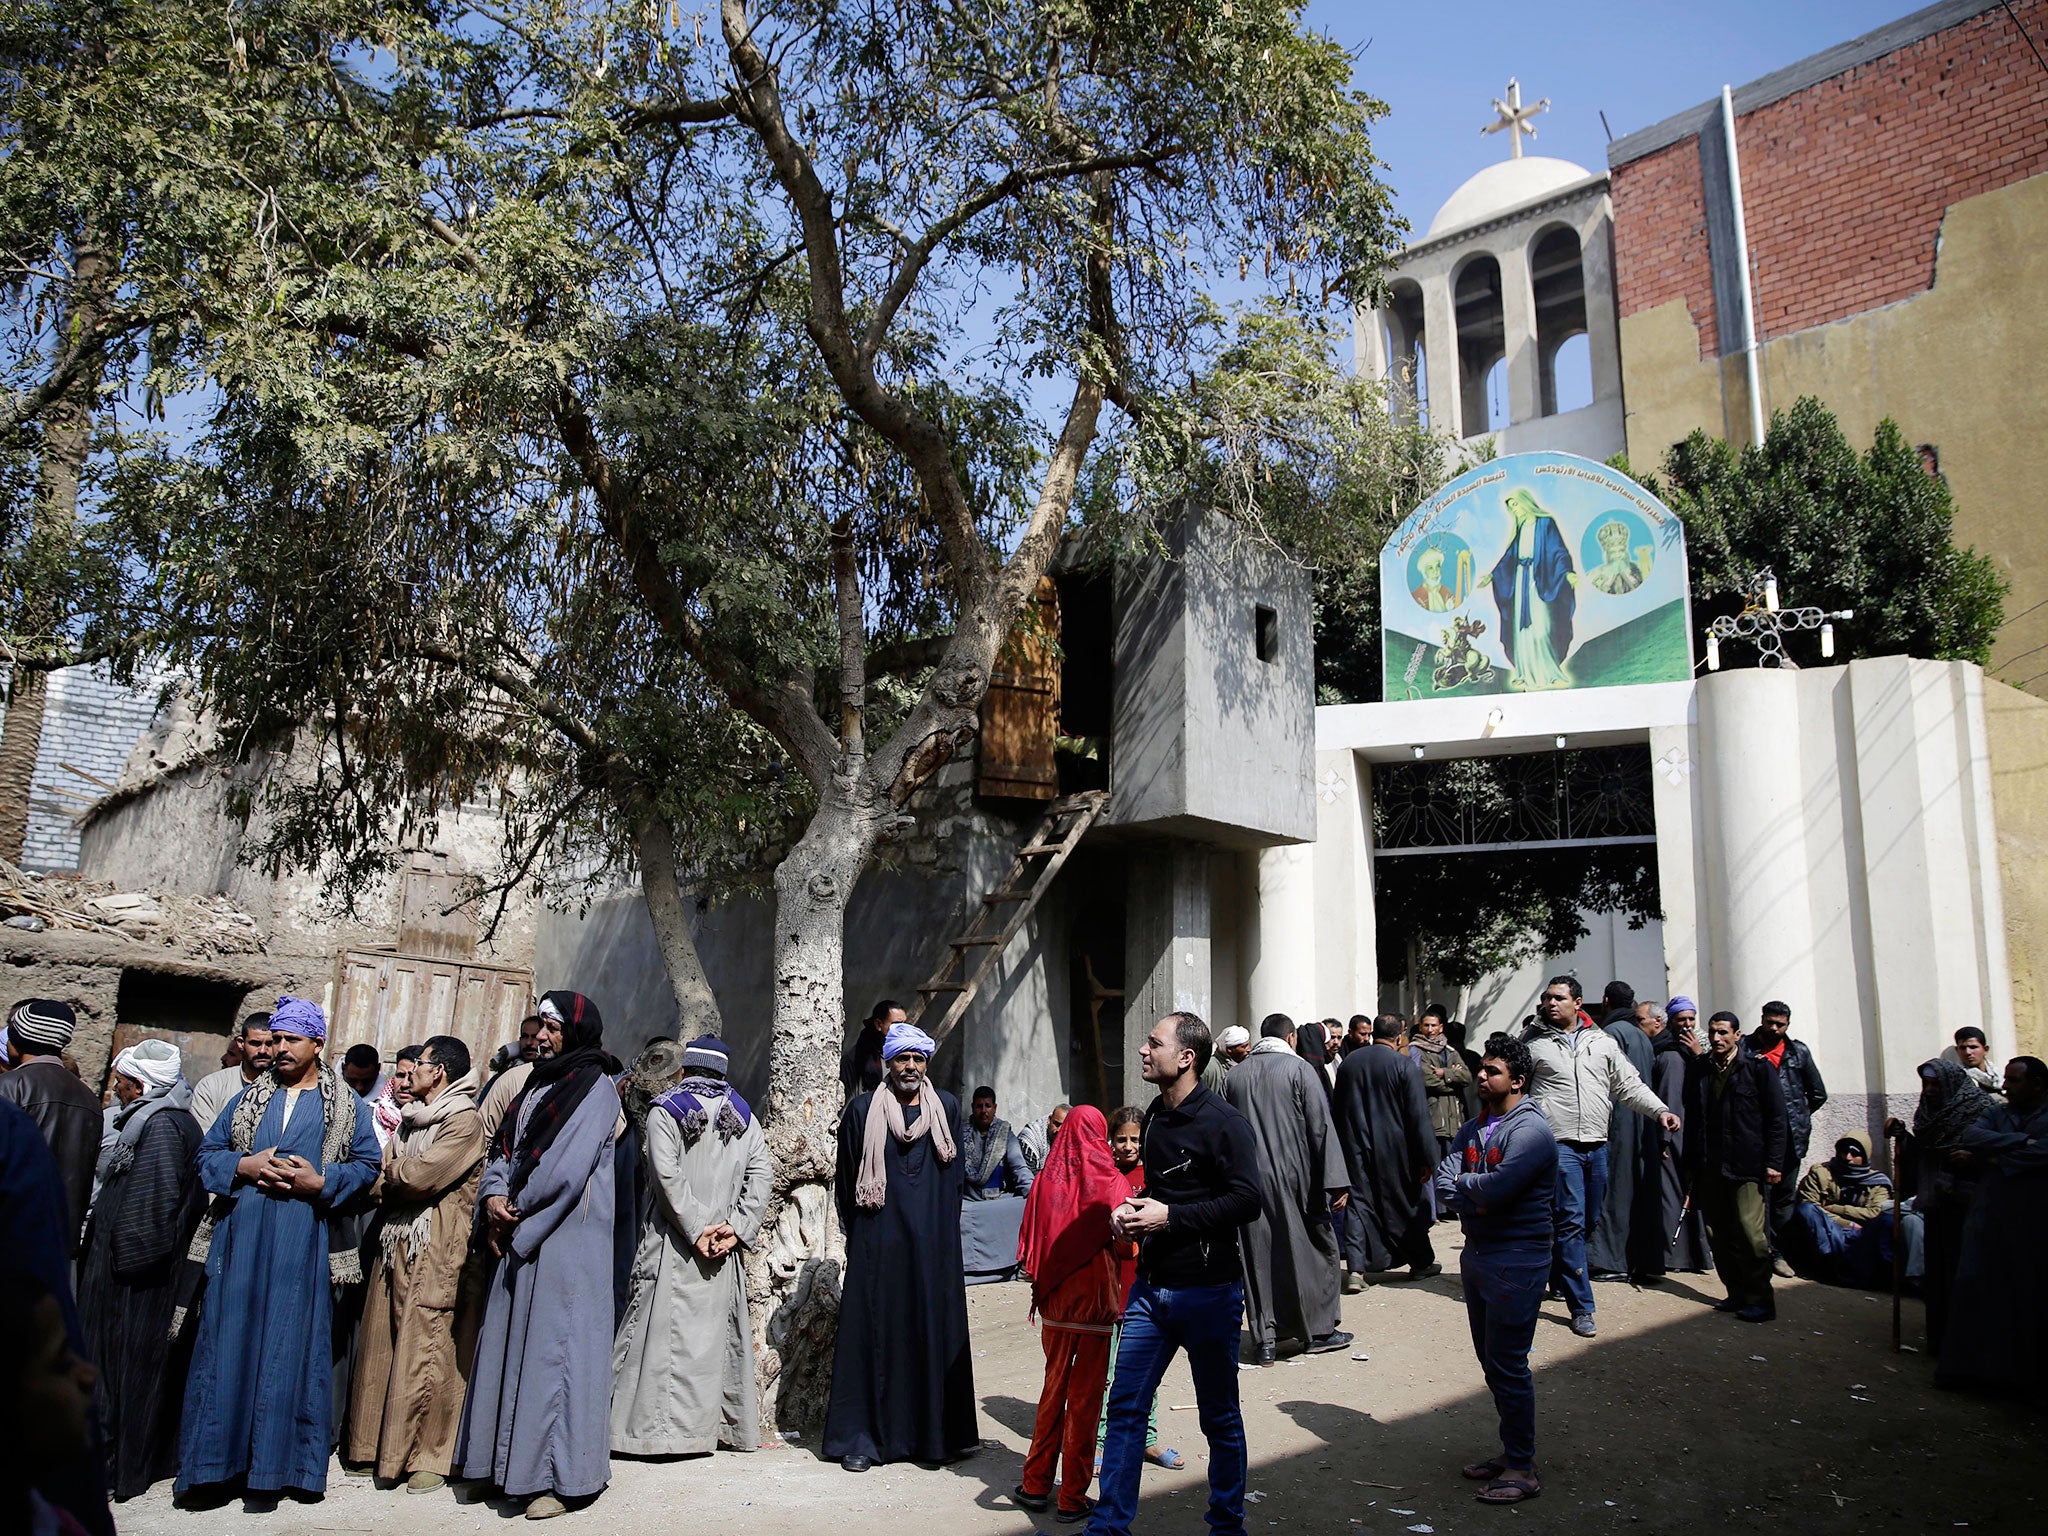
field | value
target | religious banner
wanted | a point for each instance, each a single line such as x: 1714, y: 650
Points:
x: 1536, y: 571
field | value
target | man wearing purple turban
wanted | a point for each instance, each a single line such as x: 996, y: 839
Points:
x: 286, y: 1156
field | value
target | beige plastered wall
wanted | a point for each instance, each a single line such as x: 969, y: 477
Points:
x: 1963, y: 366
x: 2017, y: 726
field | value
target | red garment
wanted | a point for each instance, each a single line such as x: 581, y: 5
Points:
x: 1066, y: 1215
x: 1126, y: 1249
x: 1069, y: 1407
x: 1775, y: 1055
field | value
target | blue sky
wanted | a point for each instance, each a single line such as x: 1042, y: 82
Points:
x: 1438, y: 67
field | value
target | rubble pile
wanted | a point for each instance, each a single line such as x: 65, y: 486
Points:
x: 197, y: 926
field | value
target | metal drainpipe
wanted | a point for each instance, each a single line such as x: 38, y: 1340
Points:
x: 1749, y: 358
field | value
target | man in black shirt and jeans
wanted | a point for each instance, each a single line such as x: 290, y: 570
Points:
x: 1201, y: 1186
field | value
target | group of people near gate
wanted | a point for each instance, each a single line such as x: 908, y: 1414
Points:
x: 504, y: 1274
x: 452, y: 1271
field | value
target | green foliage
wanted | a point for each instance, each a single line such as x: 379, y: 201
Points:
x: 539, y: 361
x: 1870, y: 532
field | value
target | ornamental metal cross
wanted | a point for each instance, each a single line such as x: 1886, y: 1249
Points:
x: 1514, y: 117
x: 1764, y: 624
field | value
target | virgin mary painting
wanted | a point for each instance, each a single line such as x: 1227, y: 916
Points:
x: 1534, y: 590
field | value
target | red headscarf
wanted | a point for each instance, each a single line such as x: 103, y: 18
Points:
x: 1066, y: 1215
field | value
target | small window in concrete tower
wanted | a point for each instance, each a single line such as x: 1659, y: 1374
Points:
x: 1407, y: 368
x: 1266, y: 633
x: 1564, y: 365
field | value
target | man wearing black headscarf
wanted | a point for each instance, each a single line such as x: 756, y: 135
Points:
x: 548, y: 1198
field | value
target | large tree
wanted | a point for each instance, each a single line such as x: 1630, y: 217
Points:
x: 664, y: 420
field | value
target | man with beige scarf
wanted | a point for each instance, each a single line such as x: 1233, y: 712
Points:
x: 412, y: 1367
x: 902, y: 1372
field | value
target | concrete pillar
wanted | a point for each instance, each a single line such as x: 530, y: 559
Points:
x: 1675, y: 798
x: 1518, y: 315
x: 1754, y: 842
x: 1279, y: 935
x: 1166, y: 945
x: 1347, y: 937
x: 1603, y: 327
x: 1369, y: 343
x: 1440, y: 346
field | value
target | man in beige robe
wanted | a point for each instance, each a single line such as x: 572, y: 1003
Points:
x: 412, y: 1362
x: 683, y: 1366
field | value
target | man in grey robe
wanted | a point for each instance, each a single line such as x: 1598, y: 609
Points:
x: 1621, y: 1245
x: 538, y: 1418
x: 1687, y: 1250
x: 1290, y: 1248
x: 989, y: 1153
x: 683, y: 1367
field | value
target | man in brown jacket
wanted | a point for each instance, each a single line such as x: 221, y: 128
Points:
x: 412, y: 1368
x: 1445, y: 1077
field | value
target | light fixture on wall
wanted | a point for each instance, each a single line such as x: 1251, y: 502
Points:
x: 1495, y: 719
x: 1418, y: 754
x: 1560, y: 743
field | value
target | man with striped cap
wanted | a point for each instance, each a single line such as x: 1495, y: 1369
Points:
x: 64, y: 1109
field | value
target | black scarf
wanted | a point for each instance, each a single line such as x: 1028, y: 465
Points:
x: 582, y: 1061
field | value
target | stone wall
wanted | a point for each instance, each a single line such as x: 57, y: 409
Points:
x: 89, y: 723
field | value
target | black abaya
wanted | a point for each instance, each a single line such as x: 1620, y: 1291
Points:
x: 1620, y: 1243
x: 1382, y: 1114
x: 902, y: 1370
x: 127, y: 1293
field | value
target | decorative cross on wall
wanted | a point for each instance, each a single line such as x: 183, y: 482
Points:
x: 1513, y: 119
x: 1764, y: 625
x: 1330, y: 786
x: 1675, y: 767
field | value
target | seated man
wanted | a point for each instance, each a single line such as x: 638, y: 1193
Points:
x: 1842, y: 1224
x: 989, y: 1153
x: 1035, y: 1140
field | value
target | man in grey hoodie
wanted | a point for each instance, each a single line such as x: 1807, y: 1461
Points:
x: 1500, y: 1178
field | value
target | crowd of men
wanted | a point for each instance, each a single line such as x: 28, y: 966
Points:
x: 506, y: 1273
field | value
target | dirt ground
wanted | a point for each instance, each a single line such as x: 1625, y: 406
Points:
x: 1675, y: 1420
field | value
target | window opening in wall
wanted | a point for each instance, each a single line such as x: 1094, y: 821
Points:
x: 1407, y: 367
x: 1266, y: 633
x: 1497, y: 396
x: 1558, y: 279
x: 1482, y: 341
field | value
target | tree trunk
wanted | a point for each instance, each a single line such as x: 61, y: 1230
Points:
x: 21, y: 737
x: 669, y: 907
x: 67, y: 438
x: 793, y: 1273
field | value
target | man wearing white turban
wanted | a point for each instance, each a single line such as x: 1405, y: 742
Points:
x: 902, y: 1373
x: 148, y: 1202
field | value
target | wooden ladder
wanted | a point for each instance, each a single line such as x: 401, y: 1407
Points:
x: 1002, y: 912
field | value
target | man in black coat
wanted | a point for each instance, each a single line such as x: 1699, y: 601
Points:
x: 1735, y: 1114
x: 1804, y: 1094
x: 1382, y: 1114
x: 64, y: 1109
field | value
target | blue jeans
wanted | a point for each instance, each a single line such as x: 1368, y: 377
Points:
x: 1204, y: 1320
x: 1503, y: 1294
x: 1581, y: 1192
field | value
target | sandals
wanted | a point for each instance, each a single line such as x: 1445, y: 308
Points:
x: 1164, y: 1456
x: 1511, y: 1488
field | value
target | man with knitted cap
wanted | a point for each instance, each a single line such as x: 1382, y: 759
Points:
x: 287, y: 1154
x: 64, y: 1109
x: 683, y: 1363
x: 902, y: 1373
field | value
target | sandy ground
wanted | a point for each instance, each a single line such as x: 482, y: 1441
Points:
x: 1676, y: 1419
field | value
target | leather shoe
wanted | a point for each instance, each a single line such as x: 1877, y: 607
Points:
x: 1075, y: 1516
x: 1757, y: 1314
x: 1037, y: 1503
x: 857, y: 1462
x: 1268, y: 1354
x: 1727, y: 1304
x: 1335, y: 1339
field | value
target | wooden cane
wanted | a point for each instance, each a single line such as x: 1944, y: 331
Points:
x: 1898, y: 1243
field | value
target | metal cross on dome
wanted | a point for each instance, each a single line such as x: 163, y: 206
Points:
x: 1513, y: 119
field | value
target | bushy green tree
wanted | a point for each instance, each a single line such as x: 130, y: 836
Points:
x: 1873, y: 532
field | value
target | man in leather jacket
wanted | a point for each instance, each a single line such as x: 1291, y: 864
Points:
x: 63, y: 1108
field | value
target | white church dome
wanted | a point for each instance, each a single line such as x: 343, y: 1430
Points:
x: 1501, y: 187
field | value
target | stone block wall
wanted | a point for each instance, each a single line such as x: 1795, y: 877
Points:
x: 1845, y: 179
x: 90, y: 723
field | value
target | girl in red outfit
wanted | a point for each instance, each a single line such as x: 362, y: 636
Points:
x: 1066, y: 1247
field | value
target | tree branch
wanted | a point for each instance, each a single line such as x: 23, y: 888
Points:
x: 853, y: 637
